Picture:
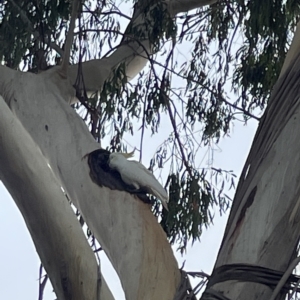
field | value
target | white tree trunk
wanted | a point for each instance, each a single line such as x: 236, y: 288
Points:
x: 264, y: 223
x: 56, y: 233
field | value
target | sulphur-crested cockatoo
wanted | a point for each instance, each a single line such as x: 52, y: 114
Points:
x: 135, y: 174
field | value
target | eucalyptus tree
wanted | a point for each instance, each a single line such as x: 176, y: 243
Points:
x: 55, y: 75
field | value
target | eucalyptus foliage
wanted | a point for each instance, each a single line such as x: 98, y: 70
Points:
x: 233, y: 45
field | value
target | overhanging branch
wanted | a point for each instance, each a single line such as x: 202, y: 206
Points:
x: 134, y: 52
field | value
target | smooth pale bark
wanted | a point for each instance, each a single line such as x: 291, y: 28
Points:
x: 96, y: 71
x: 125, y: 227
x: 56, y: 233
x: 264, y: 223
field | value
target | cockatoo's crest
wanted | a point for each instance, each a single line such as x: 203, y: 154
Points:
x: 128, y: 155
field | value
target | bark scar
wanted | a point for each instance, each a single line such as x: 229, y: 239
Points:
x: 247, y: 204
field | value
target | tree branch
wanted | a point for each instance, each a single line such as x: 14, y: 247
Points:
x: 180, y: 6
x: 69, y: 40
x: 56, y: 233
x: 172, y: 118
x: 134, y: 53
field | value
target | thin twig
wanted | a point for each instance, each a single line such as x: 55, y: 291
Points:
x: 69, y: 40
x: 172, y: 119
x: 99, y: 30
x: 42, y: 283
x: 143, y: 131
x: 173, y: 122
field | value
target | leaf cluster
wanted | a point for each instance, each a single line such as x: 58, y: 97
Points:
x: 26, y: 29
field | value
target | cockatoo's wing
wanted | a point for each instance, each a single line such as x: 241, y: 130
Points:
x: 143, y: 178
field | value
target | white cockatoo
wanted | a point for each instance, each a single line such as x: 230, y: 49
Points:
x: 135, y: 174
